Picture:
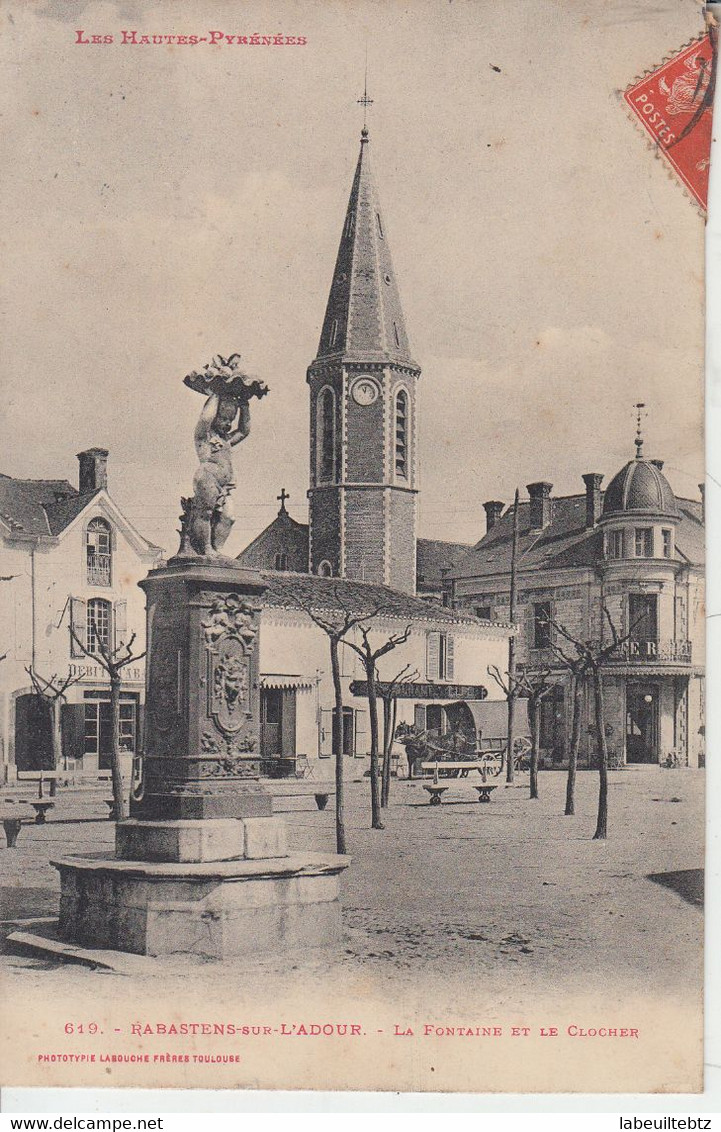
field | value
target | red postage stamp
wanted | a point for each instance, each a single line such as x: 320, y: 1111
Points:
x: 674, y: 104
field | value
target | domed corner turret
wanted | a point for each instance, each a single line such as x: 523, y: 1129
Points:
x: 639, y: 513
x: 640, y: 489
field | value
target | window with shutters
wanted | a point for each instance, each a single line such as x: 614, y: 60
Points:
x: 99, y: 618
x: 439, y: 656
x: 78, y: 626
x: 98, y: 550
x: 120, y: 624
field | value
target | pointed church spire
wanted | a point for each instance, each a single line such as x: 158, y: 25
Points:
x: 364, y: 319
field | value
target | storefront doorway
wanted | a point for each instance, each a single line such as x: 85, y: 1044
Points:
x: 98, y: 728
x: 277, y: 731
x: 641, y: 723
x: 33, y: 733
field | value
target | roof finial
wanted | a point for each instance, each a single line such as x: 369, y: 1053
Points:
x: 639, y: 407
x: 281, y: 499
x: 365, y: 101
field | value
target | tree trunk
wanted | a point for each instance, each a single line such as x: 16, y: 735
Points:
x: 394, y: 720
x: 510, y: 769
x: 388, y: 729
x: 535, y: 705
x: 376, y: 822
x: 57, y: 741
x: 56, y: 735
x: 120, y: 812
x: 602, y: 822
x: 576, y: 689
x: 340, y: 842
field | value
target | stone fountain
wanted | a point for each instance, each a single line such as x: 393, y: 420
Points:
x: 202, y: 865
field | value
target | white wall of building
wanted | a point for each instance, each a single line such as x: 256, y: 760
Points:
x: 291, y: 645
x: 34, y: 613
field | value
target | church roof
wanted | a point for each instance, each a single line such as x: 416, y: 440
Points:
x: 284, y: 529
x: 363, y: 319
x: 309, y: 591
x: 565, y: 543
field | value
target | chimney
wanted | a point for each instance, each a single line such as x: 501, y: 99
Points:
x: 657, y: 464
x: 702, y: 489
x: 494, y: 510
x: 93, y: 470
x: 592, y: 481
x: 540, y: 496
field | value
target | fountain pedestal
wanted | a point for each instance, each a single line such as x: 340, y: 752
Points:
x: 202, y: 865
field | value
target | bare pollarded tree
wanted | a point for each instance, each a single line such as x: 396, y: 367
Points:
x: 586, y: 662
x: 535, y: 686
x: 52, y: 691
x: 388, y: 693
x: 370, y: 656
x: 337, y: 620
x: 113, y: 661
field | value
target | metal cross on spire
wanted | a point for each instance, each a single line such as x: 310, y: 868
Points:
x: 639, y: 407
x: 282, y: 498
x: 365, y: 101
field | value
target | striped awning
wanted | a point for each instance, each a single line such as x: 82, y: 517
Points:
x: 283, y: 680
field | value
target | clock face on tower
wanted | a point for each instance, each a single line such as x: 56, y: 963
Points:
x: 365, y: 391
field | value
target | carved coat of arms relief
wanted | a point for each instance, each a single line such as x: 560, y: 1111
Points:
x: 230, y: 631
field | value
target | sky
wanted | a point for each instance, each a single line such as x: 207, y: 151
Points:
x: 164, y: 204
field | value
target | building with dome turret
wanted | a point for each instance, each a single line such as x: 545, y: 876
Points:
x: 636, y: 549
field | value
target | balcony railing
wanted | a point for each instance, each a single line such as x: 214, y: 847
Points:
x: 99, y: 569
x: 630, y: 652
x: 659, y: 651
x: 648, y: 652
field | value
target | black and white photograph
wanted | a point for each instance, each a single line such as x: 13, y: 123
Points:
x: 352, y: 548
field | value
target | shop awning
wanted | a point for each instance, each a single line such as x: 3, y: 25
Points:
x: 282, y: 680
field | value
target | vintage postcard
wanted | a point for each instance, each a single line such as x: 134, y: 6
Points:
x: 352, y: 544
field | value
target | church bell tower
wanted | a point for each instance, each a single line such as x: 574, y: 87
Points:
x: 363, y: 427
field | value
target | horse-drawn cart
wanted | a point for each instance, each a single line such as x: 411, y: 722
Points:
x: 455, y: 747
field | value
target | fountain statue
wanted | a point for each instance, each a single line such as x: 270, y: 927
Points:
x: 207, y: 517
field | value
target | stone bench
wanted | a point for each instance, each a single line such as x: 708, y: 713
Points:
x: 11, y: 819
x: 436, y: 793
x: 320, y: 793
x: 42, y: 777
x: 41, y: 809
x: 436, y: 789
x: 457, y: 769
